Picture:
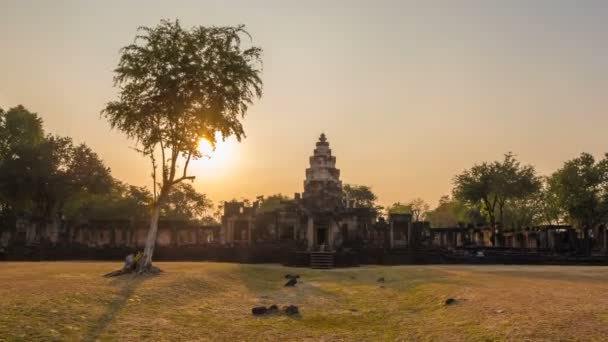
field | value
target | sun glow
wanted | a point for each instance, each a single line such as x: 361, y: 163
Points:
x: 219, y: 160
x: 204, y: 146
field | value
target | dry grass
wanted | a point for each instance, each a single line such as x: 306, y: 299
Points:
x: 212, y: 301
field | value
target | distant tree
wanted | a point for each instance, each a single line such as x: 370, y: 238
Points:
x: 177, y: 87
x: 185, y: 203
x: 549, y: 202
x: 20, y: 134
x: 361, y: 195
x: 523, y: 212
x: 452, y: 212
x: 540, y: 207
x: 18, y: 128
x: 121, y: 202
x: 38, y: 174
x: 581, y: 188
x: 493, y: 184
x: 514, y: 182
x: 271, y: 203
x: 419, y: 208
x: 399, y: 208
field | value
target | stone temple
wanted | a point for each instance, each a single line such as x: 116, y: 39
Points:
x: 319, y: 227
x: 318, y: 219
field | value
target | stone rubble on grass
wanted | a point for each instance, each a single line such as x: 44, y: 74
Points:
x: 259, y: 310
x: 291, y: 310
x: 450, y: 301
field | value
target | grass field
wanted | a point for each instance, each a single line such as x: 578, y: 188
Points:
x: 213, y: 301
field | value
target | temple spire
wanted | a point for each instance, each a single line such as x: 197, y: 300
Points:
x: 322, y: 186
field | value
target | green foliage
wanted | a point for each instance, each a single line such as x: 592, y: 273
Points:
x: 185, y: 203
x: 121, y: 202
x: 399, y: 208
x: 179, y: 86
x: 495, y: 184
x: 48, y: 176
x: 19, y: 127
x: 452, y: 212
x: 272, y: 203
x: 419, y: 208
x: 523, y: 212
x: 581, y: 189
x: 361, y: 196
x: 39, y: 174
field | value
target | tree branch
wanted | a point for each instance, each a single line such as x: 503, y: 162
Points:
x: 183, y: 178
x: 153, y: 174
x: 187, y: 162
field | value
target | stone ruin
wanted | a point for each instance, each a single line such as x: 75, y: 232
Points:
x: 317, y: 224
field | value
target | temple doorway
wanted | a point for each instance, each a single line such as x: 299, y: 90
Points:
x: 321, y: 236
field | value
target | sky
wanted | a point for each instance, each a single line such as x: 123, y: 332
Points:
x: 409, y: 93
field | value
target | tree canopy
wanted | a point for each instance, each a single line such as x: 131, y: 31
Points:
x: 39, y: 174
x: 185, y: 203
x: 493, y: 185
x: 581, y: 188
x: 360, y: 196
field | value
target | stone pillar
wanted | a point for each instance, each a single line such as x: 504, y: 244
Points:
x: 249, y: 230
x: 605, y: 240
x: 310, y: 233
x: 230, y: 237
x: 551, y: 239
x: 331, y: 233
x: 391, y: 235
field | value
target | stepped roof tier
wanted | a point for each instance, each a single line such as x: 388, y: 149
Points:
x: 322, y: 186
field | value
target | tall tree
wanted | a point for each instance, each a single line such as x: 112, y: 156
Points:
x: 178, y: 86
x: 513, y: 182
x: 20, y: 134
x: 581, y: 187
x: 494, y: 184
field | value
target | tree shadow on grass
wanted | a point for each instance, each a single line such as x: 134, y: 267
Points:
x: 129, y: 284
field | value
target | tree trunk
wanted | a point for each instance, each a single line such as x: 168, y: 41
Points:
x: 145, y: 264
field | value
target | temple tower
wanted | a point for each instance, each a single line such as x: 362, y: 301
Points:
x: 322, y: 186
x: 322, y: 197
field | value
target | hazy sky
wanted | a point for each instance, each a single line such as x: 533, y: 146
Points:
x: 409, y: 93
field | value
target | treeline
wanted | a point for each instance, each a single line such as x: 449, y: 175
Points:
x: 507, y: 195
x: 510, y: 196
x: 46, y: 176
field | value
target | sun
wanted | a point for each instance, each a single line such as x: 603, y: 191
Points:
x: 219, y: 159
x: 204, y: 146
